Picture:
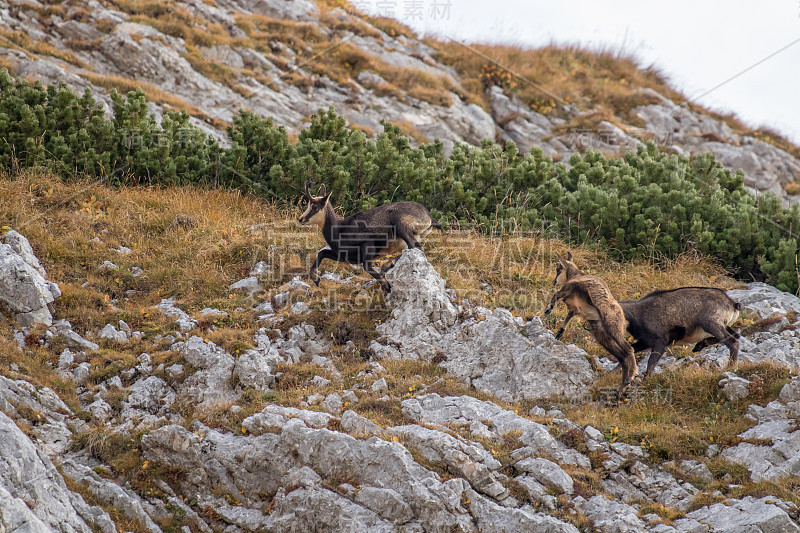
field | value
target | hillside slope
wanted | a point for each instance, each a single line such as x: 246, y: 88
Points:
x: 287, y: 59
x: 192, y: 379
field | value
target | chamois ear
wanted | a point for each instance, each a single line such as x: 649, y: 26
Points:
x: 569, y: 256
x: 323, y: 191
x: 560, y: 259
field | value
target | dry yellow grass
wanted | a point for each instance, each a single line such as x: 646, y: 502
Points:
x: 21, y: 41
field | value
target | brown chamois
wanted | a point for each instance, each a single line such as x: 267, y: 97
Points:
x: 589, y: 298
x: 686, y: 315
x: 367, y: 236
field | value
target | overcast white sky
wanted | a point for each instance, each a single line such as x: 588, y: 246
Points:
x: 698, y: 43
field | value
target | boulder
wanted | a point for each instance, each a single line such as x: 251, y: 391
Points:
x: 610, y: 516
x: 211, y: 384
x: 547, y: 473
x: 254, y: 368
x: 454, y: 411
x: 48, y: 499
x: 491, y: 350
x: 765, y: 300
x: 734, y: 387
x: 24, y: 291
x: 465, y: 459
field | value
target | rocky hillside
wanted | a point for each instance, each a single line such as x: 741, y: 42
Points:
x: 164, y: 368
x: 288, y: 58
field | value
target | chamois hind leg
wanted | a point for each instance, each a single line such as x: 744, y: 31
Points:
x: 367, y: 264
x: 620, y: 349
x: 655, y: 355
x: 564, y: 325
x: 408, y: 237
x: 724, y: 336
x: 703, y: 344
x: 389, y: 264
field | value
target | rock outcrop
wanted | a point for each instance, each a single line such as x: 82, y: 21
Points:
x: 33, y: 494
x: 24, y: 291
x: 434, y: 467
x: 492, y: 351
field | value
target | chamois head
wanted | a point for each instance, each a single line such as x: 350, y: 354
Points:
x: 315, y: 213
x: 565, y: 270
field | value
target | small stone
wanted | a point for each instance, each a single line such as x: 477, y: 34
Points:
x: 594, y: 434
x: 332, y: 403
x: 537, y: 411
x: 320, y: 381
x: 734, y: 387
x: 81, y: 373
x: 109, y: 332
x: 212, y: 313
x: 300, y: 308
x: 248, y: 285
x: 349, y: 397
x: 264, y: 307
x: 260, y: 269
x: 108, y: 265
x: 380, y: 386
x: 314, y: 399
x: 65, y: 359
x: 175, y: 370
x: 280, y: 299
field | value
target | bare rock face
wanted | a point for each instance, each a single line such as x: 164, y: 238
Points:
x: 394, y: 489
x: 491, y: 350
x: 765, y: 300
x: 450, y: 411
x: 747, y: 514
x: 775, y: 423
x: 19, y: 397
x: 24, y: 291
x: 31, y: 485
x: 212, y: 383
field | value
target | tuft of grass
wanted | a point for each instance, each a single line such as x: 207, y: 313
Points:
x: 681, y: 411
x: 22, y: 41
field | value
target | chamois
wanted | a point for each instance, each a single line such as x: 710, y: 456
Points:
x: 589, y: 298
x: 367, y: 236
x: 687, y: 315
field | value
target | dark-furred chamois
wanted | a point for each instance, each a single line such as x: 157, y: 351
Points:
x: 689, y: 315
x: 364, y: 237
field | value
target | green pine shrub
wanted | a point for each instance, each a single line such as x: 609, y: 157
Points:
x: 647, y: 203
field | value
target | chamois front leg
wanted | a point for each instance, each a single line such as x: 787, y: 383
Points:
x: 655, y: 354
x: 552, y: 303
x: 325, y: 253
x: 564, y: 325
